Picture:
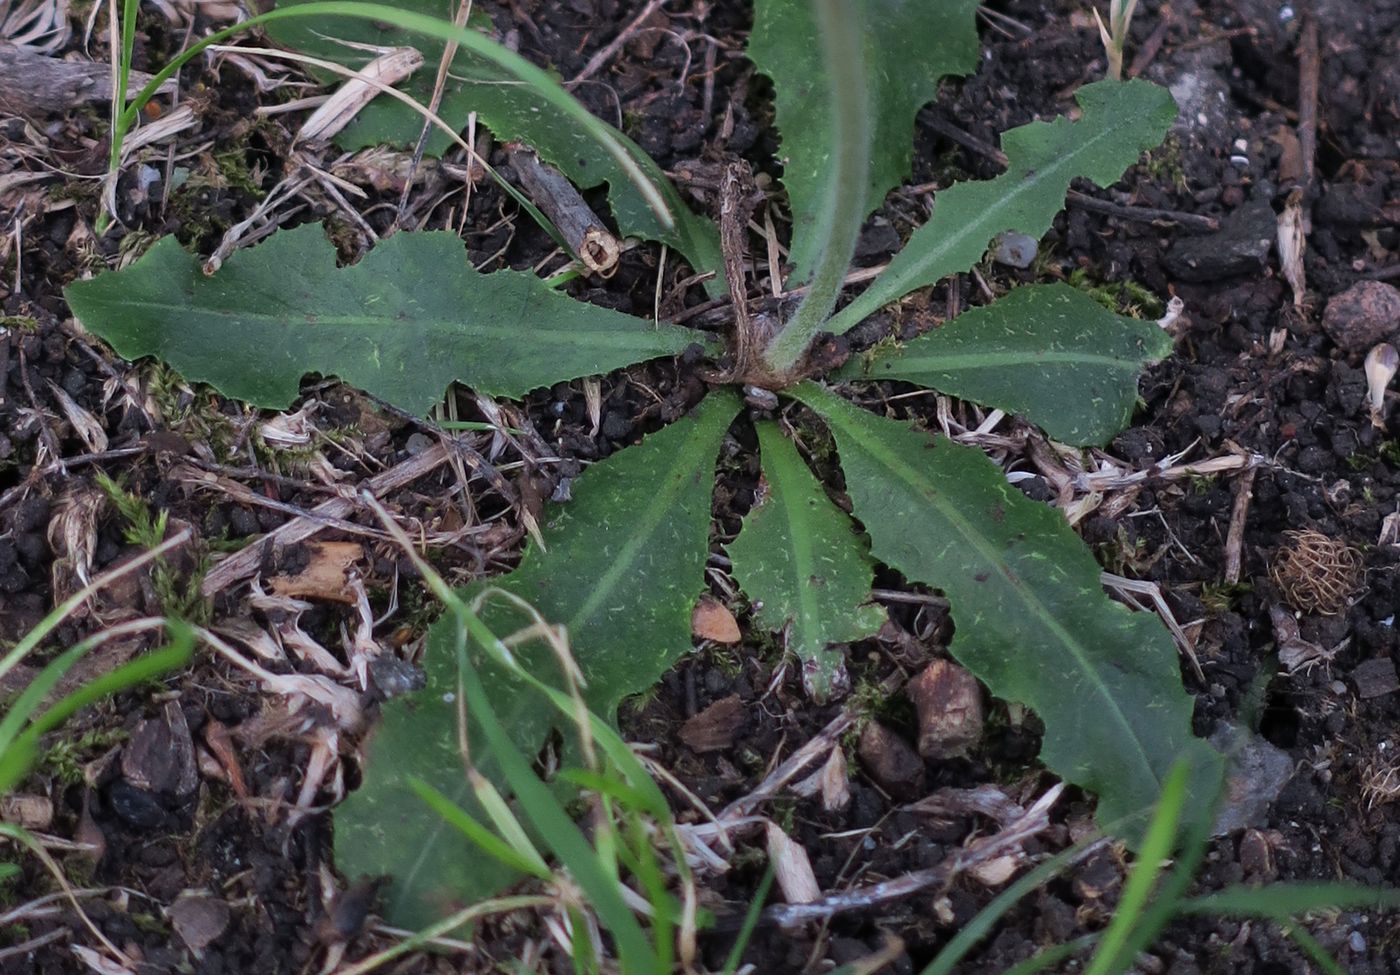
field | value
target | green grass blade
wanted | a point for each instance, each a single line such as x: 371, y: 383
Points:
x: 1285, y: 900
x: 558, y: 831
x: 1313, y: 949
x: 1052, y: 955
x: 492, y: 845
x: 1157, y: 845
x: 29, y: 700
x: 658, y: 211
x: 27, y: 643
x: 18, y: 748
x: 982, y: 924
x: 625, y: 563
x: 129, y: 674
x: 751, y: 916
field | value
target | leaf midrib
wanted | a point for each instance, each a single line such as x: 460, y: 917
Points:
x: 888, y: 287
x: 943, y: 362
x: 572, y: 335
x: 978, y: 542
x: 802, y: 551
x: 685, y: 461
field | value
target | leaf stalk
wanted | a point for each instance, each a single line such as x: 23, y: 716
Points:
x: 842, y: 39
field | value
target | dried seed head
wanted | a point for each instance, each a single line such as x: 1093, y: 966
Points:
x: 1316, y: 574
x: 1381, y: 365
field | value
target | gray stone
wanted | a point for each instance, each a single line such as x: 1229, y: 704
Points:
x: 1240, y: 246
x: 1258, y: 773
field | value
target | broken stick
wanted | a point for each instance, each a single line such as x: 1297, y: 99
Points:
x: 549, y: 190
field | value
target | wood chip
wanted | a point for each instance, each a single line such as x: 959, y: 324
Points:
x: 791, y: 867
x: 349, y: 99
x: 994, y: 873
x: 949, y: 704
x: 326, y: 574
x: 31, y: 84
x: 712, y: 620
x: 27, y: 811
x: 1292, y: 244
x: 715, y: 728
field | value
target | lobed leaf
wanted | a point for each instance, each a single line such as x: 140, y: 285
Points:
x: 1048, y: 352
x: 403, y: 323
x: 1120, y: 119
x: 1032, y: 621
x: 517, y: 102
x: 803, y: 566
x: 909, y: 48
x: 626, y: 561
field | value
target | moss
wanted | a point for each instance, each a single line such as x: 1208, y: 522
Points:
x: 179, y: 596
x: 64, y: 759
x: 133, y: 247
x: 1119, y: 297
x: 1221, y: 597
x: 1164, y: 164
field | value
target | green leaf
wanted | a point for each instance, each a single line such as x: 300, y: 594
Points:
x: 803, y: 565
x: 517, y: 102
x: 909, y: 48
x: 1048, y: 352
x: 1032, y: 621
x: 402, y: 324
x: 1281, y: 901
x: 839, y: 212
x: 626, y: 561
x: 626, y: 558
x: 1120, y: 120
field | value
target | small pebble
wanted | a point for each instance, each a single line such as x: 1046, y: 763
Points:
x: 1356, y: 942
x: 1016, y: 250
x: 1366, y: 313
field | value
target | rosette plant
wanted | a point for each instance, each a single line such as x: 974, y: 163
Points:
x: 625, y: 558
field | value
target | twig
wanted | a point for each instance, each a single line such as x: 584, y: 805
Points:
x: 246, y: 561
x: 1167, y: 469
x: 1149, y: 50
x: 816, y: 748
x: 242, y: 494
x: 1008, y: 841
x: 596, y: 62
x: 580, y: 227
x: 1142, y: 587
x: 736, y: 206
x: 1309, y: 71
x: 46, y: 435
x: 449, y: 51
x: 1192, y: 221
x: 1234, y: 538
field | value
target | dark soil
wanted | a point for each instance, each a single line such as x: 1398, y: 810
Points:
x: 1252, y: 375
